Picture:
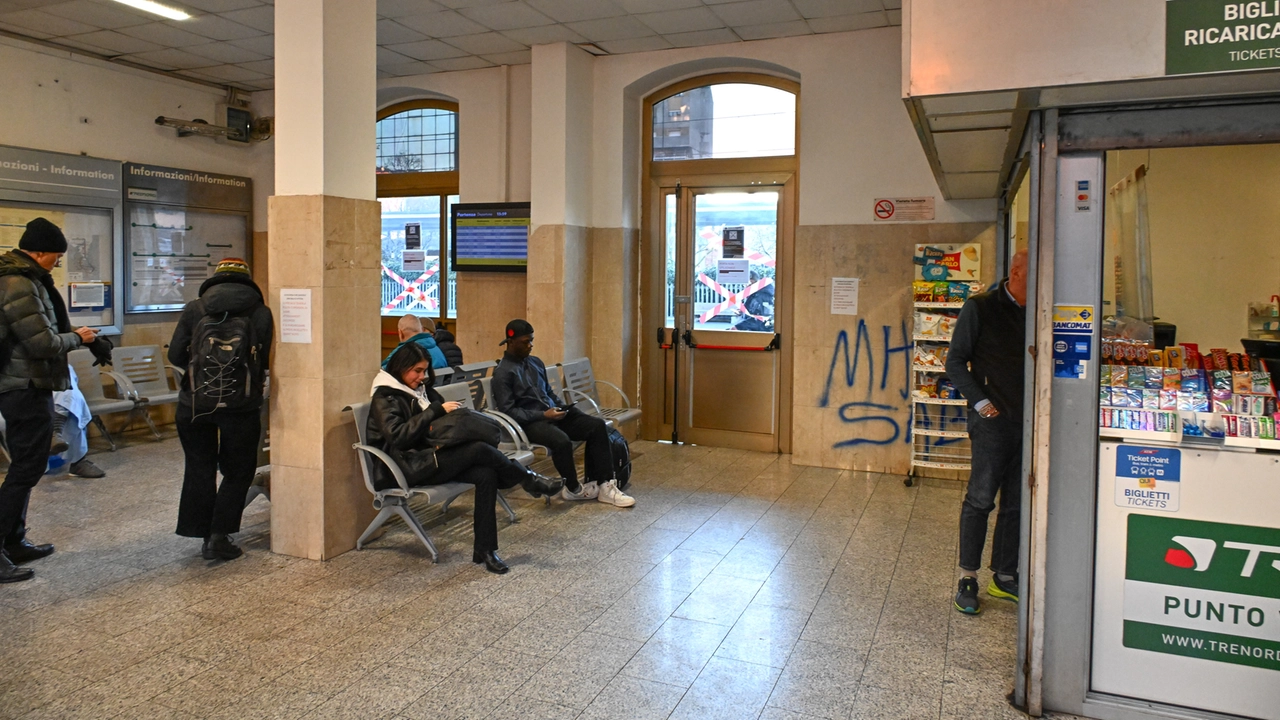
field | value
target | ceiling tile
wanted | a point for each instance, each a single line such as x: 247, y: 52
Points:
x: 507, y: 16
x: 895, y: 17
x: 409, y: 68
x: 845, y: 23
x: 215, y: 27
x: 681, y: 21
x: 266, y: 67
x: 24, y: 31
x: 972, y: 150
x: 391, y: 32
x: 148, y: 62
x: 198, y: 76
x: 972, y: 103
x: 544, y: 35
x: 218, y: 6
x: 173, y: 58
x: 619, y: 28
x: 485, y: 43
x: 519, y: 57
x: 261, y: 18
x: 577, y: 10
x: 828, y: 8
x: 702, y: 37
x: 225, y: 53
x: 755, y: 12
x: 470, y: 62
x: 266, y: 84
x: 970, y: 186
x: 46, y: 23
x: 644, y: 6
x: 263, y: 44
x: 104, y: 16
x: 71, y: 42
x: 442, y: 24
x: 231, y: 73
x: 427, y: 50
x: 16, y: 5
x: 391, y: 57
x: 773, y: 30
x: 165, y: 35
x: 117, y: 43
x: 644, y: 44
x: 400, y: 8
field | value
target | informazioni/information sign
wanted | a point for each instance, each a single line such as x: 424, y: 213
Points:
x: 1215, y: 36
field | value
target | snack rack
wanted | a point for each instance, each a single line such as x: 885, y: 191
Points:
x: 939, y: 424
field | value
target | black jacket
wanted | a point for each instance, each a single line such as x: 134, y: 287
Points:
x: 521, y: 390
x: 988, y: 350
x: 228, y: 292
x: 398, y: 426
x: 449, y: 346
x: 35, y: 334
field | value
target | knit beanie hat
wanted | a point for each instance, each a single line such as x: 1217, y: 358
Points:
x: 232, y: 264
x: 43, y: 236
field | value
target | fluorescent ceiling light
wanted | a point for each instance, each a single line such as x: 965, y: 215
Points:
x: 156, y: 8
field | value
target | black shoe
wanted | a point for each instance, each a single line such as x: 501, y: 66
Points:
x: 1003, y: 589
x: 220, y: 547
x: 25, y: 552
x: 86, y: 469
x: 539, y: 485
x: 58, y: 445
x: 967, y: 596
x: 491, y: 561
x: 10, y: 573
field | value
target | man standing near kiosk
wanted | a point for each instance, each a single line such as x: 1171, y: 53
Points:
x: 985, y: 364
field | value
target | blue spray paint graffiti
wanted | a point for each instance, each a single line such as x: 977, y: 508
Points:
x: 877, y: 419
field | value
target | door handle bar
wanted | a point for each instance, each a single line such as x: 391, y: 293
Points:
x: 774, y: 344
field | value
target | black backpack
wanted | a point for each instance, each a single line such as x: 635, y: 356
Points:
x: 621, y: 452
x: 225, y: 371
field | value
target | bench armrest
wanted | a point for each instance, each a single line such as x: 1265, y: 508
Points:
x: 124, y: 387
x: 386, y: 460
x: 582, y: 397
x: 626, y: 401
x: 512, y: 428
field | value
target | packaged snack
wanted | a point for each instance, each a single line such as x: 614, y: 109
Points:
x: 1221, y: 403
x: 1172, y: 379
x: 958, y: 292
x: 1200, y: 401
x: 1154, y: 378
x: 930, y: 356
x: 1232, y: 428
x: 1104, y: 395
x: 1156, y: 358
x: 1108, y: 350
x: 947, y: 326
x: 1193, y: 381
x: 928, y: 387
x: 1185, y: 401
x: 1168, y: 399
x: 1132, y: 397
x: 1137, y: 378
x: 946, y: 390
x: 941, y: 291
x: 927, y: 324
x: 1150, y: 399
x: 1105, y: 371
x: 1220, y: 361
x: 1221, y: 380
x: 1262, y: 383
x: 1173, y: 357
x: 1241, y: 382
x: 1119, y: 376
x: 922, y: 291
x: 1142, y: 353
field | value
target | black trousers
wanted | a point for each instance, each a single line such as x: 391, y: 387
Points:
x: 996, y: 468
x: 486, y: 467
x: 28, y: 417
x: 226, y: 441
x: 558, y: 436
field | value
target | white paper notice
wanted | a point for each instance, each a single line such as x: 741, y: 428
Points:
x: 414, y: 261
x: 88, y: 295
x: 844, y: 296
x: 295, y: 315
x: 733, y: 271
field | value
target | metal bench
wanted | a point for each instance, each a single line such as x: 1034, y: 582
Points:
x: 473, y: 371
x: 514, y: 442
x: 146, y: 378
x: 395, y: 501
x: 90, y: 381
x: 580, y: 384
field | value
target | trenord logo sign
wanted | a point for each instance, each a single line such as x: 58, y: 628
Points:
x: 1203, y: 589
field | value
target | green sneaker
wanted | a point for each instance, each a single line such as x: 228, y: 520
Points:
x: 967, y: 596
x: 1005, y: 590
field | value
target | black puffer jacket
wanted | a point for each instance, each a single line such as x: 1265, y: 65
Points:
x: 33, y: 342
x: 398, y: 426
x: 226, y: 292
x: 448, y: 345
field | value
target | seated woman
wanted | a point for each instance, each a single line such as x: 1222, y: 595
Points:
x: 401, y: 411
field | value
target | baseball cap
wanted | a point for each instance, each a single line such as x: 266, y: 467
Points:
x: 517, y: 328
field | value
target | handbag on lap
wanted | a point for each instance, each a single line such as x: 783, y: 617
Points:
x: 464, y: 425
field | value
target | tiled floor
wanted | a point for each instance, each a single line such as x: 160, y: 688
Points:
x: 740, y: 586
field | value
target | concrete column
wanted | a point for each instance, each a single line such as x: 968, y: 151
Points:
x: 560, y: 268
x: 324, y: 228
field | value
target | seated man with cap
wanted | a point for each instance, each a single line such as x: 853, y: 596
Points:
x: 521, y: 390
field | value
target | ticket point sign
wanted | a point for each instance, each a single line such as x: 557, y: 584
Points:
x: 1148, y: 478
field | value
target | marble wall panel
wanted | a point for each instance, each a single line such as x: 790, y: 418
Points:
x: 486, y: 303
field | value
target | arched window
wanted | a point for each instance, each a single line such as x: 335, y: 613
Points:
x: 725, y: 120
x: 417, y: 166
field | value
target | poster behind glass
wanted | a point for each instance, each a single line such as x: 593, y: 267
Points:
x: 173, y: 250
x: 85, y: 274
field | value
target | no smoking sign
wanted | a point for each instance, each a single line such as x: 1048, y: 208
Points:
x: 903, y: 209
x: 884, y: 209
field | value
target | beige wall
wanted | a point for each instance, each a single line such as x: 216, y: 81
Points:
x: 1214, y: 215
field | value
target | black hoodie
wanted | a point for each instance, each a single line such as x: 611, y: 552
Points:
x: 226, y: 292
x: 448, y: 346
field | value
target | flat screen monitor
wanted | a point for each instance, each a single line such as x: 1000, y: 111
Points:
x: 490, y: 237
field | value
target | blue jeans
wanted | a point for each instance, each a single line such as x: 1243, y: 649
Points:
x: 996, y: 469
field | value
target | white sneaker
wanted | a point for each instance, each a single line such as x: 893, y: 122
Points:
x: 609, y: 493
x: 587, y: 491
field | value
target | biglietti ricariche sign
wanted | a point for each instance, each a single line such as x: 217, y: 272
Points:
x: 1215, y: 36
x: 1204, y: 590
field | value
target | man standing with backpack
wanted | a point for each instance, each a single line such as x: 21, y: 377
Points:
x: 223, y: 340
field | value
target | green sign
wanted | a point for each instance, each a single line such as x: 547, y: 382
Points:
x: 1202, y: 589
x: 1214, y: 36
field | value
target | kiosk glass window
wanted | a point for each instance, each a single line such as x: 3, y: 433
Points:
x: 84, y: 275
x: 727, y: 120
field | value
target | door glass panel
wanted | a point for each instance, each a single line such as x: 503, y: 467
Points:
x: 448, y: 253
x: 413, y: 287
x: 731, y: 295
x: 669, y: 220
x: 729, y: 120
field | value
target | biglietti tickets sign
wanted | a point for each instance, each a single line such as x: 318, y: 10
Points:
x: 1214, y: 36
x: 1203, y: 590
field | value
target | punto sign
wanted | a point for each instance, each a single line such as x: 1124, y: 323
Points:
x: 1217, y: 36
